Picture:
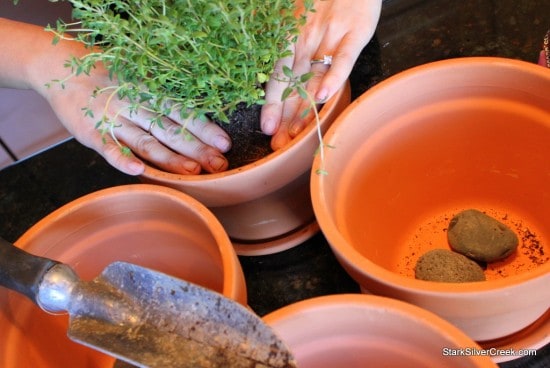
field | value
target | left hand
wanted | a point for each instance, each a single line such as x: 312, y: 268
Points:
x: 339, y: 28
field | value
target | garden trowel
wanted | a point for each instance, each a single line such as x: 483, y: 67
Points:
x: 143, y: 317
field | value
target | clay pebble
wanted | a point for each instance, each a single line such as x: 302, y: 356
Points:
x: 443, y: 265
x: 480, y: 237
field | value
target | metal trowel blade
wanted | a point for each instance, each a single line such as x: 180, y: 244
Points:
x: 149, y: 319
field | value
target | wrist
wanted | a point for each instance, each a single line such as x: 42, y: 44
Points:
x: 48, y: 64
x: 32, y: 60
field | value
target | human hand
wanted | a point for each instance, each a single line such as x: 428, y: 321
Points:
x: 34, y: 62
x: 337, y: 28
x: 163, y: 144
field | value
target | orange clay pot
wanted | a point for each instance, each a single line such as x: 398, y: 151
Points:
x: 152, y: 226
x: 424, y: 145
x: 355, y: 331
x: 265, y: 206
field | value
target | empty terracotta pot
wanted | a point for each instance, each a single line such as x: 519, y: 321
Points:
x: 470, y: 133
x: 152, y: 226
x: 354, y: 330
x: 264, y: 206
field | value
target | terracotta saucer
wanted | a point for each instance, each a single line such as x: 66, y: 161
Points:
x: 278, y: 244
x: 533, y: 337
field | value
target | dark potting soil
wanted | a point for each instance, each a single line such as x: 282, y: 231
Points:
x: 249, y: 144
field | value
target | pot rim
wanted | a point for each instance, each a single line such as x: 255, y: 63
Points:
x: 362, y: 265
x: 329, y: 303
x: 227, y: 253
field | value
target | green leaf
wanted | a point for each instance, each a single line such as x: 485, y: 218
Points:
x: 287, y: 91
x: 223, y: 116
x: 287, y: 71
x: 126, y: 151
x: 302, y: 92
x: 262, y: 77
x: 305, y: 77
x: 88, y: 112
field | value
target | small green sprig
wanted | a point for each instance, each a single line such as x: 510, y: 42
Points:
x: 297, y: 83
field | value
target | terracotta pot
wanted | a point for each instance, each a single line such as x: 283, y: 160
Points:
x: 355, y: 331
x: 420, y: 147
x: 265, y: 206
x: 152, y: 226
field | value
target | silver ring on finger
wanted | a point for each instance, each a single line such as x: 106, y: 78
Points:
x: 325, y: 60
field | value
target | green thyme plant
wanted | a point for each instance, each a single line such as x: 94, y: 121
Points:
x: 197, y: 56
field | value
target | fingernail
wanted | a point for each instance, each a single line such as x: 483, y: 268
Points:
x: 268, y: 126
x: 222, y: 143
x: 295, y: 129
x: 192, y: 167
x: 136, y: 167
x: 279, y: 141
x: 218, y: 163
x: 321, y: 96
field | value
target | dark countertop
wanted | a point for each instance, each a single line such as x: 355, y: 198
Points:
x: 410, y: 33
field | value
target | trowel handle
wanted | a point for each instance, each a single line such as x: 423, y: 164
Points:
x: 21, y: 271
